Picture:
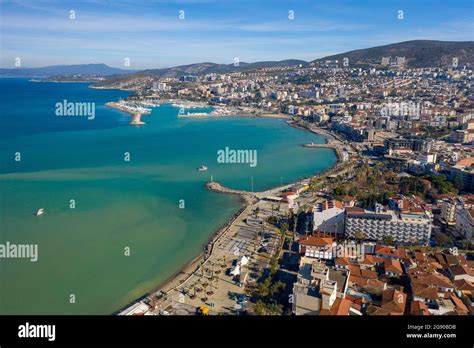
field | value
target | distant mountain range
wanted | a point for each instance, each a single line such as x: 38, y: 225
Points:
x: 57, y: 70
x: 207, y: 68
x: 418, y: 53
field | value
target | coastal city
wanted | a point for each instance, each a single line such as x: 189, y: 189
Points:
x: 387, y: 231
x: 252, y: 173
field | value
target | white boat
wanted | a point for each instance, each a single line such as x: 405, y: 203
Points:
x: 39, y: 212
x: 202, y: 168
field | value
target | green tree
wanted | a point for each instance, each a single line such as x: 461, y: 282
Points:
x: 276, y: 288
x: 442, y: 239
x: 262, y: 308
x: 359, y: 235
x: 340, y: 191
x: 388, y: 239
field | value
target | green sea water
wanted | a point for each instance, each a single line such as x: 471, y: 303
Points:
x: 121, y: 204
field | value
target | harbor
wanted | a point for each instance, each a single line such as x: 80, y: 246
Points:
x: 136, y: 110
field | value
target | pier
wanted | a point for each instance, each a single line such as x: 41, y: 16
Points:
x: 333, y: 144
x: 216, y: 187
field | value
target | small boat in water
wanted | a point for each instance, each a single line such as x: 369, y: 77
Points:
x: 202, y: 168
x: 39, y: 212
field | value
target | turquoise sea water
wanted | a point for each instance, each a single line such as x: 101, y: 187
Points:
x: 120, y: 204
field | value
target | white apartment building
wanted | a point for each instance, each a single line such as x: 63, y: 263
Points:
x: 405, y: 228
x: 161, y: 87
x: 465, y: 222
x: 317, y: 287
x: 448, y: 212
x: 328, y: 217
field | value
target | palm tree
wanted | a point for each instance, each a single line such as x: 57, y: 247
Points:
x: 193, y: 295
x: 336, y: 225
x: 224, y: 264
x: 465, y: 244
x: 322, y: 227
x: 205, y: 285
x: 210, y: 292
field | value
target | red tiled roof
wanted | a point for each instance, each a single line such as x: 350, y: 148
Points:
x: 428, y: 293
x: 393, y: 266
x: 343, y: 261
x: 461, y: 270
x: 432, y: 279
x: 339, y: 307
x: 419, y: 308
x: 366, y: 273
x: 460, y: 306
x: 419, y: 256
x: 354, y: 210
x: 376, y: 283
x: 390, y: 251
x: 369, y: 260
x: 394, y: 300
x: 357, y: 280
x: 315, y: 241
x: 451, y: 259
x: 374, y: 310
x: 463, y: 285
x: 426, y: 285
x: 466, y: 162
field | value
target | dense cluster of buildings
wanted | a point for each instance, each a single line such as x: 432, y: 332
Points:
x: 380, y: 280
x: 420, y: 123
x: 422, y: 118
x: 458, y: 212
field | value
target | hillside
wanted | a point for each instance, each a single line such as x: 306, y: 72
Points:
x: 418, y: 53
x: 208, y: 68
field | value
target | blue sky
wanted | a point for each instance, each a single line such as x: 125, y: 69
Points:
x: 151, y: 34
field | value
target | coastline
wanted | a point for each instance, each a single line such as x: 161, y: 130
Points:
x: 180, y: 277
x: 192, y: 267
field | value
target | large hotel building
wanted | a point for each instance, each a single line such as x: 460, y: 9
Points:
x: 406, y: 228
